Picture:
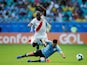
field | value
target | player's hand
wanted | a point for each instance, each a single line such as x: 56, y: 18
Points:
x: 64, y: 57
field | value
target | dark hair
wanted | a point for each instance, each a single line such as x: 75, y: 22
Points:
x: 55, y: 41
x: 38, y: 13
x: 38, y: 16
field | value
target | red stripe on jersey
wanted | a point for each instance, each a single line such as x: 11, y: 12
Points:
x: 39, y: 26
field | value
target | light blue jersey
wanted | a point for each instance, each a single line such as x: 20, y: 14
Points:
x: 49, y: 50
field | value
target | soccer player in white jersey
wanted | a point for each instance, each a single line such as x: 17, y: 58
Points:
x: 39, y: 22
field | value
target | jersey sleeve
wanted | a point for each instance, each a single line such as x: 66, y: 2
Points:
x: 32, y: 21
x: 58, y: 49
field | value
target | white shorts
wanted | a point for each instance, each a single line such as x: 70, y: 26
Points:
x: 37, y: 37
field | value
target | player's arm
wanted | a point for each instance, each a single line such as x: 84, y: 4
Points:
x: 48, y: 27
x: 43, y: 9
x: 40, y: 7
x: 31, y: 30
x: 60, y: 51
x: 31, y: 23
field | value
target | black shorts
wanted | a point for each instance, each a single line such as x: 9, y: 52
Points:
x: 38, y: 53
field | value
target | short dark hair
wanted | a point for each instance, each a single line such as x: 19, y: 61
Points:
x: 38, y: 13
x: 55, y: 41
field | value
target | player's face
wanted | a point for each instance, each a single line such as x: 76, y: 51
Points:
x: 54, y: 44
x: 38, y: 16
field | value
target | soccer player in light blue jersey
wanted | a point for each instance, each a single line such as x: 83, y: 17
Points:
x: 44, y: 53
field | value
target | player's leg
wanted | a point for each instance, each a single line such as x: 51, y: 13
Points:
x: 26, y: 55
x: 42, y: 59
x: 33, y: 61
x: 36, y: 53
x: 36, y: 45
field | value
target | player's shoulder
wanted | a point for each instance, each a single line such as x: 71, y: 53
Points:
x: 57, y: 46
x: 49, y: 42
x: 43, y: 17
x: 33, y: 20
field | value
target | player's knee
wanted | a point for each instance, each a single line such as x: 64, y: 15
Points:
x: 34, y: 44
x: 42, y: 59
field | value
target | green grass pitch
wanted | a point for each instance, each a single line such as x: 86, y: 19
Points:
x: 8, y: 55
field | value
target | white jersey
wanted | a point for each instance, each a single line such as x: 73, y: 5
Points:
x: 40, y: 29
